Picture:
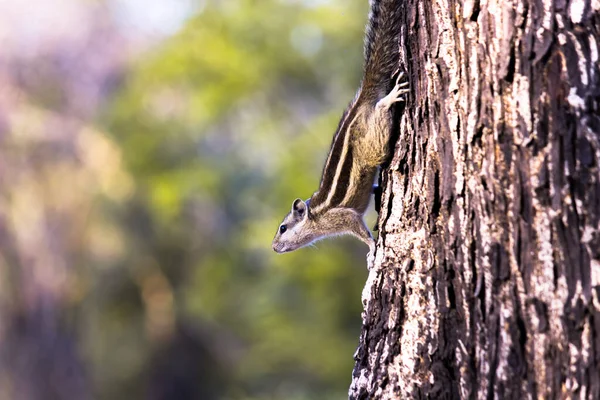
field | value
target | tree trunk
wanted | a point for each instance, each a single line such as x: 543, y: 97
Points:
x: 487, y: 276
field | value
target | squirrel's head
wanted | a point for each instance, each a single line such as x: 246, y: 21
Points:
x: 295, y: 230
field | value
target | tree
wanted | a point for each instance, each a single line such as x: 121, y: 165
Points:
x: 487, y: 276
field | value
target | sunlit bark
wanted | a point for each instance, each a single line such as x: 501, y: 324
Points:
x: 487, y: 278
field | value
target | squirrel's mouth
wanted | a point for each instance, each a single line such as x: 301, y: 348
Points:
x: 281, y: 248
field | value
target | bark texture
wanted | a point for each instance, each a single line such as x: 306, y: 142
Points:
x: 487, y: 277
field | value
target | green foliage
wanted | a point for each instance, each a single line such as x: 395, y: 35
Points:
x: 221, y: 128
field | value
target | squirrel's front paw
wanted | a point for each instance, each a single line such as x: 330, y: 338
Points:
x: 397, y: 93
x: 371, y: 259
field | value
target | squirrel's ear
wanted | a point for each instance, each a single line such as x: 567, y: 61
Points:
x: 299, y: 207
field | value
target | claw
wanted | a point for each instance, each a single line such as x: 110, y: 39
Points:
x: 400, y: 77
x: 370, y: 261
x: 371, y: 257
x: 397, y: 92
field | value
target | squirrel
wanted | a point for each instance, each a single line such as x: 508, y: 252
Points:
x: 360, y: 145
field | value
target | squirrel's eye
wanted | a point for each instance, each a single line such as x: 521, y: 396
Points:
x: 282, y: 228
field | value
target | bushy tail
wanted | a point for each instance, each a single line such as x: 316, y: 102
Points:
x: 381, y: 46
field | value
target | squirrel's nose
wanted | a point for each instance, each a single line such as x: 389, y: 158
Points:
x: 278, y: 247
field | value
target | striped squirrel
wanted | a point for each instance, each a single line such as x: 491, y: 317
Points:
x: 359, y: 146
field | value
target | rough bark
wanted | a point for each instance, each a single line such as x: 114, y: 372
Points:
x: 487, y: 277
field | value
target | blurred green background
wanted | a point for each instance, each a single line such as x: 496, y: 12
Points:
x: 148, y: 151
